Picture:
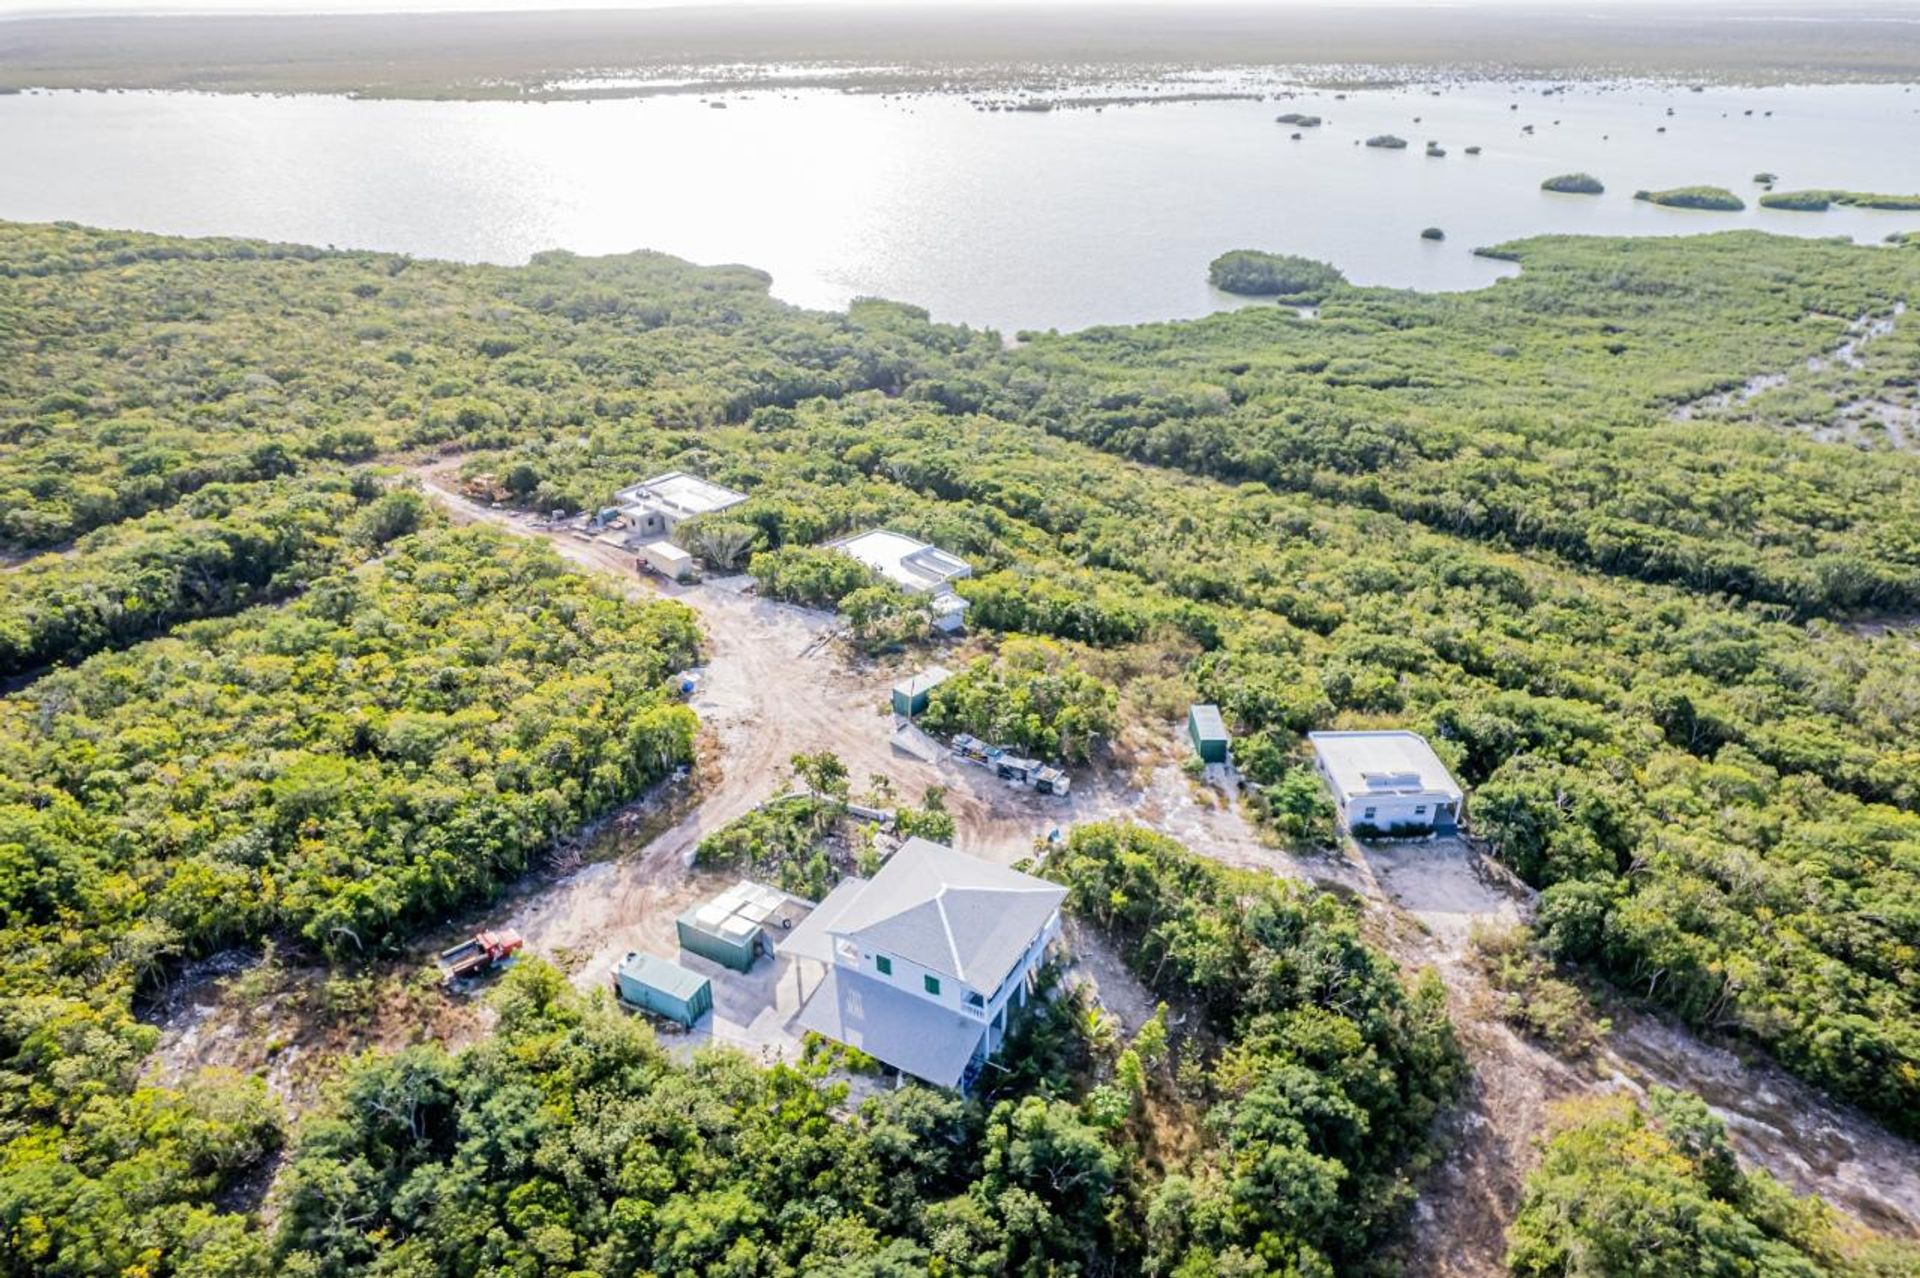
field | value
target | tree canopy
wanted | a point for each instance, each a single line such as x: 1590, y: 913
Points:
x: 1569, y: 526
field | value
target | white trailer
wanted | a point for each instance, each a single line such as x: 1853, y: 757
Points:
x: 664, y: 558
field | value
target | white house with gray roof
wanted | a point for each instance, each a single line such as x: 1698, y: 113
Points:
x: 926, y: 960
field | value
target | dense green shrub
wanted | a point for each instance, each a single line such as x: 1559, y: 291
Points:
x: 882, y: 616
x: 224, y: 548
x: 1798, y: 201
x: 1030, y: 696
x: 1574, y: 184
x: 1387, y: 142
x: 1256, y: 274
x: 396, y: 744
x: 778, y: 842
x: 407, y: 754
x: 817, y: 576
x: 1657, y: 1191
x: 1716, y: 198
x: 426, y: 1162
x: 1334, y: 1072
x: 1820, y: 201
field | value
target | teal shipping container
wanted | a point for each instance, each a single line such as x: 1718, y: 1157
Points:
x: 1209, y: 733
x: 910, y: 696
x: 665, y: 989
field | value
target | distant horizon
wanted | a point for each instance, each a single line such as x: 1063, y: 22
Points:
x: 42, y: 9
x: 504, y: 49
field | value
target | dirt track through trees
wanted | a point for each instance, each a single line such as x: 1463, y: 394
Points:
x: 1812, y: 1144
x: 771, y: 689
x: 764, y: 700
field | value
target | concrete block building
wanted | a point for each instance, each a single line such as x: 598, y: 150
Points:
x: 655, y: 507
x: 916, y: 568
x: 1388, y: 781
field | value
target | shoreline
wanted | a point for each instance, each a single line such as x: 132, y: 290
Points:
x: 1028, y: 51
x: 1013, y: 90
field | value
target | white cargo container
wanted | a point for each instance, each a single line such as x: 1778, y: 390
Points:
x: 664, y: 558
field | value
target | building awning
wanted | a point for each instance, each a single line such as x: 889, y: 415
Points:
x: 909, y: 1033
x: 812, y: 938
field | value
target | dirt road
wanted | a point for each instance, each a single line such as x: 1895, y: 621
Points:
x: 771, y: 690
x: 1438, y: 891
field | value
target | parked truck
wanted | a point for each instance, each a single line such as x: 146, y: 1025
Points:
x: 481, y: 953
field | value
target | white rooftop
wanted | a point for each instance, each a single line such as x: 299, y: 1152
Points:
x: 949, y: 912
x: 679, y: 494
x: 905, y: 561
x: 744, y: 908
x: 1391, y: 762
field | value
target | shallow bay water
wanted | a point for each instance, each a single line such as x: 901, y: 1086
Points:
x: 1012, y: 220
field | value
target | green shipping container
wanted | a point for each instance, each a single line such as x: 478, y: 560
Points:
x: 1209, y: 733
x: 910, y: 696
x: 714, y: 931
x: 665, y: 989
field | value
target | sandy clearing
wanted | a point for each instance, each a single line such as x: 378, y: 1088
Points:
x: 771, y: 689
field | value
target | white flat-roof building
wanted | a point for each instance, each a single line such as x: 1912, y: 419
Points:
x: 908, y: 563
x: 914, y: 566
x: 1387, y: 781
x: 655, y: 507
x: 924, y: 960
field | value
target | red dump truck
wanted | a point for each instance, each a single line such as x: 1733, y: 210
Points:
x: 485, y: 951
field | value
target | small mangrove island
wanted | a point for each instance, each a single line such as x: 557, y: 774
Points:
x: 1433, y: 233
x: 1252, y: 273
x: 1718, y: 199
x: 1821, y: 201
x: 1387, y: 142
x: 1298, y: 120
x: 1574, y: 184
